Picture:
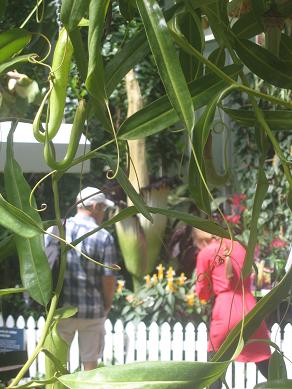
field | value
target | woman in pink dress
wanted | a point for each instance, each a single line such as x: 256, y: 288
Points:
x: 218, y: 275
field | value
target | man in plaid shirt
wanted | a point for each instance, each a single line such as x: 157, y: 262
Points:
x: 87, y: 286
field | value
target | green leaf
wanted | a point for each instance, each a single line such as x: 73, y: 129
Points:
x: 278, y: 120
x: 14, y: 61
x: 3, y: 5
x: 277, y: 367
x: 79, y: 53
x: 278, y: 384
x: 128, y: 9
x: 197, y: 183
x: 218, y: 21
x: 59, y: 349
x: 285, y: 51
x: 258, y: 9
x: 159, y: 115
x: 7, y: 248
x: 16, y: 220
x: 4, y: 292
x: 123, y: 214
x: 191, y: 26
x: 34, y: 268
x: 247, y: 26
x: 217, y: 57
x: 12, y: 42
x: 260, y: 194
x: 95, y: 83
x: 167, y: 61
x: 65, y: 312
x: 195, y: 221
x: 254, y: 318
x: 264, y: 64
x: 131, y: 53
x: 72, y: 12
x: 150, y: 375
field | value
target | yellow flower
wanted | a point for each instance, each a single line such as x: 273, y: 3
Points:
x: 154, y: 279
x: 170, y: 273
x: 160, y: 269
x: 147, y: 279
x: 203, y: 301
x: 120, y: 287
x: 182, y: 278
x: 170, y: 286
x: 190, y: 299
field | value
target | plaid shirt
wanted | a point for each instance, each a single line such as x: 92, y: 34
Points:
x: 82, y: 283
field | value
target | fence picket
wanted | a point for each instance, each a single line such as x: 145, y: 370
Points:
x: 201, y: 342
x: 119, y: 343
x: 276, y: 334
x: 164, y: 343
x: 287, y: 349
x: 108, y: 342
x: 141, y: 342
x: 189, y: 342
x: 10, y: 322
x: 41, y: 357
x: 31, y: 343
x: 74, y: 360
x: 153, y: 342
x: 239, y: 373
x: 177, y: 342
x: 130, y: 335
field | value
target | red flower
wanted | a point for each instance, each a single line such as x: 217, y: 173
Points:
x: 234, y: 219
x: 278, y: 242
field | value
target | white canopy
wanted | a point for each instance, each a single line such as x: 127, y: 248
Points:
x: 29, y: 152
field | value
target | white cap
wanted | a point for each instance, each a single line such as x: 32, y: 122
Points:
x: 91, y: 195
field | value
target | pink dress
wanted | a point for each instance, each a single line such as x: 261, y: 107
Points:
x: 229, y: 304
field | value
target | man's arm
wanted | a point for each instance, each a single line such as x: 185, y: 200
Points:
x: 108, y: 291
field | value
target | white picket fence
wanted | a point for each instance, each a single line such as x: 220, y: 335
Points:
x: 126, y: 344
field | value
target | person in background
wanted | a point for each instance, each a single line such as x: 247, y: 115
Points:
x: 219, y: 264
x: 87, y: 286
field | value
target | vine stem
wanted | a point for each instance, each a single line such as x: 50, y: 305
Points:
x: 40, y: 344
x: 31, y: 13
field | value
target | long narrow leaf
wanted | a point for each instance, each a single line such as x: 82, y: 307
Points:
x: 195, y: 221
x: 247, y: 26
x: 122, y: 215
x: 95, y: 83
x: 159, y: 115
x: 191, y: 26
x: 278, y: 120
x: 197, y: 185
x: 131, y: 53
x: 148, y: 375
x: 34, y: 268
x: 264, y: 64
x: 72, y: 12
x: 16, y: 220
x: 12, y: 42
x: 167, y: 61
x: 261, y: 191
x: 12, y: 62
